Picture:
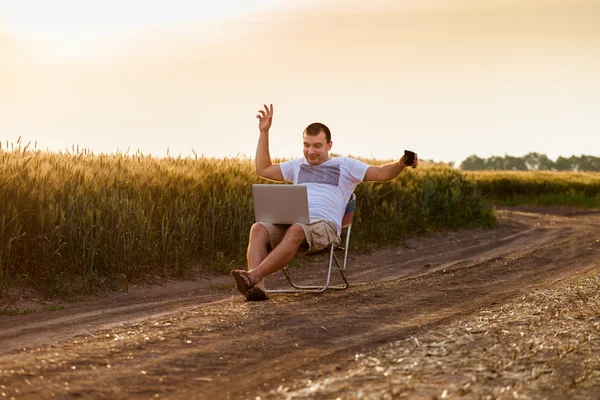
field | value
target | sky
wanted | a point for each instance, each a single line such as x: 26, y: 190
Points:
x: 445, y: 78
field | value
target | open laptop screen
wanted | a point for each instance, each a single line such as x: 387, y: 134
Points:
x: 280, y: 203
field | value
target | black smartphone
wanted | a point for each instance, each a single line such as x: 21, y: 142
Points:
x: 409, y: 157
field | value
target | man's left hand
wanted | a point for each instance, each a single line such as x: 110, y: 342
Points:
x: 414, y: 165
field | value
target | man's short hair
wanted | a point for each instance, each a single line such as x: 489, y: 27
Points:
x: 315, y: 128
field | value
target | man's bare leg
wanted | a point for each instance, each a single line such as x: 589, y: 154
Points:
x: 279, y: 257
x: 257, y: 247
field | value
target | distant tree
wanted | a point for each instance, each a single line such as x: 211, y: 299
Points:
x: 566, y: 164
x: 538, y: 161
x: 495, y: 163
x: 589, y: 163
x: 514, y: 163
x: 473, y: 163
x: 531, y: 162
x: 546, y: 164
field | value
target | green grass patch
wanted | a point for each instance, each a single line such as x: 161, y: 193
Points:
x: 11, y: 312
x: 52, y: 308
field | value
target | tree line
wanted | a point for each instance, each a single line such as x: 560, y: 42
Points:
x: 531, y: 162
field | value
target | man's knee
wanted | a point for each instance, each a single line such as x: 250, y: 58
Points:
x: 259, y: 232
x: 296, y: 234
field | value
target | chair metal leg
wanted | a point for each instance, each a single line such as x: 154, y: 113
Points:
x: 318, y: 288
x: 296, y: 288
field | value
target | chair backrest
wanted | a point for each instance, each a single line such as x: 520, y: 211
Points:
x: 349, y: 213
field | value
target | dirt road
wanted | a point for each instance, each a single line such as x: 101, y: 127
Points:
x: 187, y: 340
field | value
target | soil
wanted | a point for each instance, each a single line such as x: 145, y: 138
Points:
x: 200, y: 339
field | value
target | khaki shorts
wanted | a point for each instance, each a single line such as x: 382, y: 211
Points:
x: 319, y: 235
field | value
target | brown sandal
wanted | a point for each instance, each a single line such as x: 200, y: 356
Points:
x: 256, y: 293
x: 241, y: 284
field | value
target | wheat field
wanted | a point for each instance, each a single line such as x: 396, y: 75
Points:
x: 73, y: 219
x: 544, y: 188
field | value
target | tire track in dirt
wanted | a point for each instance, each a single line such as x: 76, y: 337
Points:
x: 116, y: 307
x: 232, y: 349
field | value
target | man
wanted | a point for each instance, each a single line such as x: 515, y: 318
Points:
x: 330, y: 183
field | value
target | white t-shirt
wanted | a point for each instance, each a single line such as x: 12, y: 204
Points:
x: 329, y: 185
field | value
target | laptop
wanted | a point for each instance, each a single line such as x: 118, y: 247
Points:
x: 280, y: 203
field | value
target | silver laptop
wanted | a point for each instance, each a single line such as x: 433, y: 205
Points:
x: 280, y: 203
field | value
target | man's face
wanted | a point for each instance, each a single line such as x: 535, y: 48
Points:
x: 316, y: 148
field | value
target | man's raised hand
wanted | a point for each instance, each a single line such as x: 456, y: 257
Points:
x: 265, y: 117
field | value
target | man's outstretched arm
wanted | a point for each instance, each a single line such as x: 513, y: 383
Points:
x: 264, y: 167
x: 386, y: 172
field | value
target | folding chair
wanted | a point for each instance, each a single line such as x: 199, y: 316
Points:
x: 333, y: 257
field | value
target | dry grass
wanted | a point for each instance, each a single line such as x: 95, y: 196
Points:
x: 545, y: 345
